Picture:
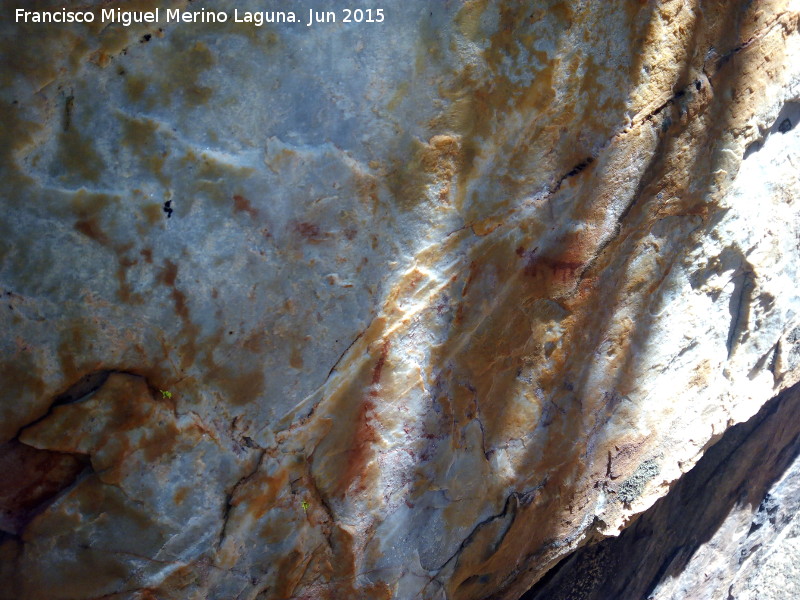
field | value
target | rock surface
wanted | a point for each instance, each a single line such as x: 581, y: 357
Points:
x: 397, y: 310
x: 730, y: 529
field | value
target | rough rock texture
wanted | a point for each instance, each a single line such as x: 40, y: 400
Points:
x: 398, y: 310
x: 730, y: 529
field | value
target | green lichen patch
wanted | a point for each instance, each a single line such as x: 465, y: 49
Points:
x: 634, y: 485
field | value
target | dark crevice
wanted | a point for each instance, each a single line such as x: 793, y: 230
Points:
x: 69, y: 101
x: 228, y: 506
x: 81, y: 391
x: 716, y: 62
x: 342, y: 355
x: 511, y: 504
x: 581, y: 166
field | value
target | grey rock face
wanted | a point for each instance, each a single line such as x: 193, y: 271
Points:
x: 408, y: 309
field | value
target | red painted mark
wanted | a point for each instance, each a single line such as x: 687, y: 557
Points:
x: 169, y: 273
x: 376, y: 372
x: 242, y: 204
x: 126, y: 262
x: 91, y: 229
x: 552, y: 268
x: 358, y: 454
x: 364, y: 434
x: 565, y: 270
x: 473, y: 270
x: 310, y: 231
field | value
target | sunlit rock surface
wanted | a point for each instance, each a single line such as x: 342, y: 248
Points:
x: 398, y: 310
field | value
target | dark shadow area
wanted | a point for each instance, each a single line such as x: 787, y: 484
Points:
x: 32, y: 480
x: 738, y: 471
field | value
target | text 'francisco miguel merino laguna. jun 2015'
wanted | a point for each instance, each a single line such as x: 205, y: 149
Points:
x: 256, y: 18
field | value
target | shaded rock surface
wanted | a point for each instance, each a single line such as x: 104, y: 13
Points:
x: 399, y: 310
x: 729, y: 529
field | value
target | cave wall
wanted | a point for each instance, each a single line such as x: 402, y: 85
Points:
x: 408, y: 309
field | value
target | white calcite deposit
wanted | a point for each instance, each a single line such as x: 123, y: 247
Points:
x: 401, y: 309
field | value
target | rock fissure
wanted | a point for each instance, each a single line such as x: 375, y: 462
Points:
x: 229, y: 505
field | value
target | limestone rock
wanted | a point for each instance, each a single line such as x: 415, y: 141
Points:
x: 407, y: 309
x: 729, y: 529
